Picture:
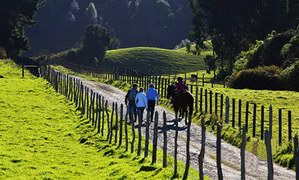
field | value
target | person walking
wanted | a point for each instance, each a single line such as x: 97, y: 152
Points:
x: 130, y: 98
x: 152, y: 97
x: 141, y: 103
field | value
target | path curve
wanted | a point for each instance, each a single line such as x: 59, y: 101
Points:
x: 255, y: 167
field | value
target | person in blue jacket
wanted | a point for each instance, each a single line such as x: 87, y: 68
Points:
x: 152, y: 98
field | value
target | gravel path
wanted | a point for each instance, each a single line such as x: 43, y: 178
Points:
x: 255, y: 168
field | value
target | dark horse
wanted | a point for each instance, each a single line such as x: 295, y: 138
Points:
x: 181, y: 102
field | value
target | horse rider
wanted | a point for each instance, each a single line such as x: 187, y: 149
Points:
x: 181, y: 86
x: 152, y: 97
x: 130, y: 97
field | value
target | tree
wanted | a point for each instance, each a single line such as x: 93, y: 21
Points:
x: 96, y: 42
x: 15, y: 15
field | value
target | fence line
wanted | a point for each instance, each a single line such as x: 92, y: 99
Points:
x: 92, y: 105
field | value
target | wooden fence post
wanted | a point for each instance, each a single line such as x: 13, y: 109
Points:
x: 148, y: 119
x: 233, y: 112
x: 98, y: 111
x: 86, y: 101
x: 187, y: 166
x: 279, y: 127
x: 165, y: 140
x: 155, y: 138
x: 139, y: 133
x: 221, y: 106
x: 108, y: 122
x: 206, y: 101
x: 254, y: 120
x: 243, y: 147
x: 200, y: 101
x: 216, y: 104
x: 116, y: 123
x: 218, y: 152
x: 227, y: 110
x: 201, y: 155
x: 296, y: 156
x: 246, y: 116
x: 196, y: 99
x: 290, y: 125
x: 269, y: 155
x: 126, y: 129
x: 103, y: 115
x: 270, y: 120
x: 262, y: 122
x: 133, y: 131
x: 121, y: 125
x: 92, y: 106
x: 211, y: 102
x: 111, y: 123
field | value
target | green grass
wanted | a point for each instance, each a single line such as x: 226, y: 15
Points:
x: 155, y: 60
x: 41, y: 132
x: 278, y: 99
x: 151, y: 60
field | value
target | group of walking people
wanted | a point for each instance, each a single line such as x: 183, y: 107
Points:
x: 139, y: 100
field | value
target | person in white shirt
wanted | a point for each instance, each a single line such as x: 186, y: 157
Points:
x: 141, y: 102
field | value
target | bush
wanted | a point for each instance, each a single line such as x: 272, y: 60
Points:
x: 291, y: 76
x: 267, y: 77
x: 3, y: 54
x: 249, y: 58
x: 272, y: 48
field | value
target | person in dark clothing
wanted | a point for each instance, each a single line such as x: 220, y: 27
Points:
x: 130, y: 98
x: 152, y: 97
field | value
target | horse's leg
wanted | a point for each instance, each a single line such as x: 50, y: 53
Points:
x: 186, y: 115
x: 181, y: 115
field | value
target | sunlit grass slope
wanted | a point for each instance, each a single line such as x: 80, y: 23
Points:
x: 155, y: 60
x: 40, y: 132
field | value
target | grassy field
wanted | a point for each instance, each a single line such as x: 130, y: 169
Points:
x: 155, y: 60
x: 151, y: 60
x: 41, y: 132
x: 278, y: 99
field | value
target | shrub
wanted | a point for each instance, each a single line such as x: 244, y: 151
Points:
x: 267, y: 77
x: 3, y: 54
x: 291, y: 76
x: 272, y: 48
x: 249, y: 58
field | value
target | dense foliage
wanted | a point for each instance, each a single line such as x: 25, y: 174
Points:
x: 15, y: 15
x: 96, y: 42
x: 277, y: 49
x: 159, y: 23
x: 267, y: 77
x: 233, y: 25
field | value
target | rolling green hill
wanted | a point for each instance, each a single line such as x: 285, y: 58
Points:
x: 155, y: 60
x: 150, y: 60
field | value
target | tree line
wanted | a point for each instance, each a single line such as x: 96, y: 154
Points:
x: 159, y: 23
x: 234, y: 25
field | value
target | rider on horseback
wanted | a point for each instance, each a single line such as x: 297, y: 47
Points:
x: 181, y: 86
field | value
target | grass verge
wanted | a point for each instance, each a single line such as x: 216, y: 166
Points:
x: 41, y: 137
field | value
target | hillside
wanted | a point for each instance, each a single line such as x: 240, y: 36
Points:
x: 40, y: 133
x: 155, y: 60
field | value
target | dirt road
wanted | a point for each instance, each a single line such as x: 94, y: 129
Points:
x: 255, y: 168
